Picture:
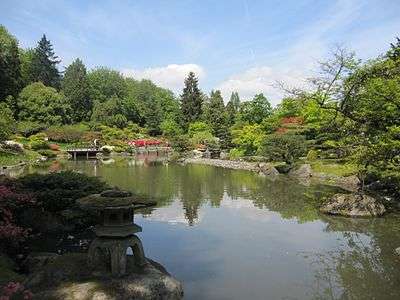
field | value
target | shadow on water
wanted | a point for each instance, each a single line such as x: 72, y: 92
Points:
x: 234, y: 234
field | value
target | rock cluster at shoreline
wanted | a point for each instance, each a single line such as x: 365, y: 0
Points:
x: 67, y: 277
x: 228, y: 164
x: 353, y: 205
x: 303, y: 173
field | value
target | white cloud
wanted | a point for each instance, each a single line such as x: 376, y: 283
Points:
x: 294, y: 64
x: 171, y: 76
x: 260, y: 80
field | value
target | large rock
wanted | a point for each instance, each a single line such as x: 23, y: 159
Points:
x: 268, y: 169
x: 353, y: 205
x: 14, y: 146
x: 303, y: 172
x: 67, y: 277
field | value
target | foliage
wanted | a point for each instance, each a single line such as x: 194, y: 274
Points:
x: 44, y: 65
x: 47, y: 153
x: 236, y: 153
x: 43, y: 104
x: 170, y: 128
x: 284, y: 147
x: 67, y: 133
x: 11, y: 158
x: 58, y: 191
x: 256, y: 110
x: 7, y: 122
x: 235, y: 100
x: 312, y: 155
x: 12, y: 203
x: 198, y: 127
x: 10, y: 65
x: 215, y: 116
x: 335, y: 168
x: 180, y: 143
x: 248, y: 139
x: 15, y: 290
x: 191, y: 100
x: 38, y: 142
x: 112, y: 134
x: 27, y: 128
x: 105, y: 83
x: 75, y: 86
x: 202, y: 138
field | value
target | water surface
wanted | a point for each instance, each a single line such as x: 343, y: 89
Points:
x: 230, y: 234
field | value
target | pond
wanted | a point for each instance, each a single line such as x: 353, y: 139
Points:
x: 229, y: 234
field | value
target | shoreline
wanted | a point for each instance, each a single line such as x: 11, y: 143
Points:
x: 224, y: 163
x: 348, y: 183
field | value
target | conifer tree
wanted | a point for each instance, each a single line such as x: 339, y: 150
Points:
x: 235, y: 101
x: 44, y: 64
x: 76, y: 89
x: 191, y: 100
x: 230, y: 113
x: 216, y: 118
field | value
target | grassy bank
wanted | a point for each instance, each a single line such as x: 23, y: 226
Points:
x: 10, y: 158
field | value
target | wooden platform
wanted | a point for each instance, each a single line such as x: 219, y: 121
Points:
x: 88, y: 152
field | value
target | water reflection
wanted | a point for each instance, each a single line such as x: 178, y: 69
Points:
x: 236, y: 235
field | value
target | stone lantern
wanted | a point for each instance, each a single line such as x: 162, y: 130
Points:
x: 117, y: 232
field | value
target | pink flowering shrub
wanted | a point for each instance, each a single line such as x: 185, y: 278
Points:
x: 11, y: 203
x: 15, y: 291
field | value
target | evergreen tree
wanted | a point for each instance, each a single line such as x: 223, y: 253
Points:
x: 76, y: 88
x: 10, y: 67
x: 44, y: 64
x: 394, y: 51
x: 235, y: 101
x: 230, y: 113
x: 216, y: 118
x: 191, y: 100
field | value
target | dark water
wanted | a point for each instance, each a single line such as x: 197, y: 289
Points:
x: 236, y: 235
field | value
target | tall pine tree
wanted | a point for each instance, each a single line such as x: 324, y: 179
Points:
x: 44, y: 64
x: 191, y: 100
x: 230, y: 113
x: 216, y: 118
x: 76, y: 88
x: 235, y: 100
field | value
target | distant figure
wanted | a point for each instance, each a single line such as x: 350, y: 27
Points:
x: 95, y: 143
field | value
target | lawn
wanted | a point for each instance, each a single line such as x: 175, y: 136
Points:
x: 334, y: 168
x: 9, y: 159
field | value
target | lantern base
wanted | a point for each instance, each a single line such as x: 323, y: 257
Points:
x: 114, y: 251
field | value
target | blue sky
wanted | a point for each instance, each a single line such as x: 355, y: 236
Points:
x: 232, y: 45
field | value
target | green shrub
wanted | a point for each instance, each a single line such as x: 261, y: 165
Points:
x: 236, y: 153
x: 180, y: 143
x: 284, y: 147
x: 47, y: 153
x: 28, y: 128
x: 312, y: 155
x: 59, y: 191
x: 38, y: 145
x: 67, y: 133
x: 7, y: 122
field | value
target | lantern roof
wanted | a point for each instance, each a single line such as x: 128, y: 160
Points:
x: 114, y: 199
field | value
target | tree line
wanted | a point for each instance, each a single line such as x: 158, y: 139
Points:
x: 351, y: 113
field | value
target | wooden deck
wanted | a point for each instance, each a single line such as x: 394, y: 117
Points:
x: 88, y: 152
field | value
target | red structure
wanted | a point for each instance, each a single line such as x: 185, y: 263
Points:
x: 145, y: 143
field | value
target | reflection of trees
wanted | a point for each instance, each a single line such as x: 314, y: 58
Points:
x: 365, y: 266
x: 194, y: 185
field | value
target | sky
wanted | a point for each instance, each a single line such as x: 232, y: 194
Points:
x: 245, y: 46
